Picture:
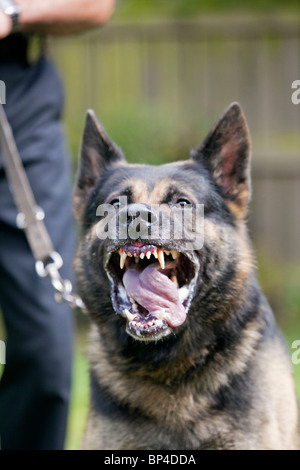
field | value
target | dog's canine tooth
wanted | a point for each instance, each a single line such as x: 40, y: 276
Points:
x: 123, y: 257
x: 148, y: 254
x: 175, y: 254
x: 129, y: 315
x: 174, y: 280
x: 161, y: 259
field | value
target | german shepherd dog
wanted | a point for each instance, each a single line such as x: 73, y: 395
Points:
x: 184, y: 350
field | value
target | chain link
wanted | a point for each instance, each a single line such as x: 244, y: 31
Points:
x: 63, y: 287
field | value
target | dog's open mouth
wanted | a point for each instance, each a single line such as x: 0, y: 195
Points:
x: 152, y: 287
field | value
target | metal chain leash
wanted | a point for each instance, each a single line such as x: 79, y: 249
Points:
x: 63, y: 287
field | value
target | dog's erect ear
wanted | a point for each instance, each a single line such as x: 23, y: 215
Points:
x: 226, y: 152
x: 97, y: 153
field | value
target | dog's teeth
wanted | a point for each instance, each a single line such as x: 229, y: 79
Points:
x: 129, y: 315
x: 167, y: 252
x: 161, y: 259
x: 135, y: 255
x: 155, y: 254
x: 142, y: 255
x: 174, y: 254
x: 148, y: 254
x: 129, y: 254
x: 174, y: 280
x: 123, y: 257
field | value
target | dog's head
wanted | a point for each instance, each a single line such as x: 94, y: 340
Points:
x: 159, y: 240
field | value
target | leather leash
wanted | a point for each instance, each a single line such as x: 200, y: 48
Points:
x: 31, y: 218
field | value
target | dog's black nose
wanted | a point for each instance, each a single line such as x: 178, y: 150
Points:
x: 145, y: 215
x: 138, y: 220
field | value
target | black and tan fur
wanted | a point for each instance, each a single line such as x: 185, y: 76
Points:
x: 223, y: 379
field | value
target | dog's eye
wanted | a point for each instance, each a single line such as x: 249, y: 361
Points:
x: 182, y: 203
x: 115, y: 203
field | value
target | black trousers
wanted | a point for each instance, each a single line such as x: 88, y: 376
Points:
x: 35, y: 386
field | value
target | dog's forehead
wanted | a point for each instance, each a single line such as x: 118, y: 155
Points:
x: 149, y: 183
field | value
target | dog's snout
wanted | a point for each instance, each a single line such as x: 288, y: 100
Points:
x: 142, y: 212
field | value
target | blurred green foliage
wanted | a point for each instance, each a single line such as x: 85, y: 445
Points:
x: 135, y: 8
x: 150, y: 133
x: 280, y: 284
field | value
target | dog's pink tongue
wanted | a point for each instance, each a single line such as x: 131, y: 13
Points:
x: 155, y: 291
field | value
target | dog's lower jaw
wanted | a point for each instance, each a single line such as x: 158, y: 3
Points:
x: 151, y: 336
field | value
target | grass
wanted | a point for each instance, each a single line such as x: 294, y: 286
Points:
x: 80, y: 391
x: 296, y: 370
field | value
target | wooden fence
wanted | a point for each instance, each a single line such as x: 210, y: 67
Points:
x: 190, y: 71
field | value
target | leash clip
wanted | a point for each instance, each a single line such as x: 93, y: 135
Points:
x: 44, y: 268
x: 63, y: 287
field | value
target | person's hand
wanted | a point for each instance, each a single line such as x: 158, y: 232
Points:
x: 5, y: 25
